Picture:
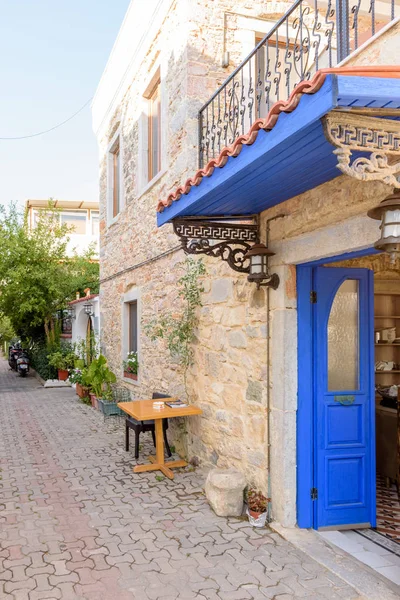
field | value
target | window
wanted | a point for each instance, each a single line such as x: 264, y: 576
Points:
x: 75, y: 220
x: 131, y: 311
x: 133, y: 327
x: 115, y: 175
x: 94, y: 216
x: 154, y: 131
x: 115, y: 181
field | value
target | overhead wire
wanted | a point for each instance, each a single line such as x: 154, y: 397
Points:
x: 24, y: 137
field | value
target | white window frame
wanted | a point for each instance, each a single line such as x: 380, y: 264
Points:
x: 75, y: 212
x: 143, y: 174
x: 110, y: 177
x: 91, y: 220
x: 133, y: 295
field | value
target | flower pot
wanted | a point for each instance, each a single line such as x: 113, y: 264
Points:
x: 94, y: 401
x: 81, y: 390
x: 256, y: 519
x: 62, y: 374
x: 109, y: 408
x: 130, y: 375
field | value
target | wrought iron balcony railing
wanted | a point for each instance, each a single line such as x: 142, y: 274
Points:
x: 313, y: 34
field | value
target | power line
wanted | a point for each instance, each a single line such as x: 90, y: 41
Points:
x: 24, y: 137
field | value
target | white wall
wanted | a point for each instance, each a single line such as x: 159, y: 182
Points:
x: 79, y: 323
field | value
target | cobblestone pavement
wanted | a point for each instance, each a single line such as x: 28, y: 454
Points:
x: 76, y: 523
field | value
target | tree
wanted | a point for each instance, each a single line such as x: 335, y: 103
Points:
x: 37, y: 277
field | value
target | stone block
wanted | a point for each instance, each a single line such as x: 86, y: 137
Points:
x: 237, y: 339
x: 224, y: 491
x: 221, y: 290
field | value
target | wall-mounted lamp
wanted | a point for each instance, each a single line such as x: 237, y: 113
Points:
x: 233, y: 239
x: 259, y: 271
x: 71, y: 312
x: 88, y: 308
x: 388, y: 213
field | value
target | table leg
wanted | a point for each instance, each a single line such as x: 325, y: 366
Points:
x: 157, y: 462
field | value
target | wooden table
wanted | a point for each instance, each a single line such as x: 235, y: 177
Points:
x: 142, y: 410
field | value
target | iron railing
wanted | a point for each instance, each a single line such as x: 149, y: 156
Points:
x: 313, y: 34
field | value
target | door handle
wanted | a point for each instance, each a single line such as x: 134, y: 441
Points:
x: 345, y: 400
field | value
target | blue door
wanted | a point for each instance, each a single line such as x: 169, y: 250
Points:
x: 344, y: 398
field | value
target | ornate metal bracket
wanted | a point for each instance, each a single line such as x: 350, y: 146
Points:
x: 356, y: 133
x: 228, y: 239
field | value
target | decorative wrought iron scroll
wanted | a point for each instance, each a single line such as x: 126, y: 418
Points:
x: 311, y: 35
x: 356, y: 133
x: 226, y: 240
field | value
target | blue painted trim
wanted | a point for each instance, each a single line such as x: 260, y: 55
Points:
x: 372, y: 396
x: 340, y: 257
x: 374, y: 92
x: 305, y: 420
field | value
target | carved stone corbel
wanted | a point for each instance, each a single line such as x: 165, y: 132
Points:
x: 380, y: 138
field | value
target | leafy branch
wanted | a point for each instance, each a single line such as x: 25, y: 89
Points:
x: 178, y: 330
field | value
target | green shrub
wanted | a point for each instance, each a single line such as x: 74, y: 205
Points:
x: 40, y: 362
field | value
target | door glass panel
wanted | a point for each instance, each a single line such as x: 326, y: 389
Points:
x: 343, y: 339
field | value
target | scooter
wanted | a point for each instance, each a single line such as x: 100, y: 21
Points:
x: 23, y: 364
x: 14, y: 352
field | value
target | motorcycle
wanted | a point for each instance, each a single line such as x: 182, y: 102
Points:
x: 14, y: 352
x: 23, y: 364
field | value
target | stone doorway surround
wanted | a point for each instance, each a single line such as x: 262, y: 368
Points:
x: 351, y: 235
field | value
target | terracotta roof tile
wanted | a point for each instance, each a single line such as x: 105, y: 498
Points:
x: 84, y: 299
x: 268, y: 123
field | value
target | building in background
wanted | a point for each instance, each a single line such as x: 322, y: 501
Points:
x: 221, y: 110
x: 81, y: 215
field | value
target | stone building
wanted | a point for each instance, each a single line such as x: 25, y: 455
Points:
x: 251, y: 343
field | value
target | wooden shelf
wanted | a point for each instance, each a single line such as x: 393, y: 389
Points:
x: 387, y: 344
x: 387, y: 316
x: 385, y: 372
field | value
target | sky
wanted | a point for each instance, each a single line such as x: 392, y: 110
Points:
x: 53, y: 53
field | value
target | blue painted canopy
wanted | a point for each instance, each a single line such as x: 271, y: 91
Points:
x: 288, y: 160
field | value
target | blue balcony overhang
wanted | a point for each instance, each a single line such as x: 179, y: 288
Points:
x: 288, y: 160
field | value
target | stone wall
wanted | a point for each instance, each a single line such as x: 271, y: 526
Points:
x: 229, y: 377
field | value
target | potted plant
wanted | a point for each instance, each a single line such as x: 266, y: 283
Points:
x: 131, y: 365
x: 98, y: 378
x: 108, y: 404
x: 257, y: 505
x: 59, y: 361
x: 76, y: 377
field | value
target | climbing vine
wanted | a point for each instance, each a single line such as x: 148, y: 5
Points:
x: 178, y: 330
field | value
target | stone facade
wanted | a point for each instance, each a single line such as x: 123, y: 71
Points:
x: 229, y: 378
x: 245, y: 371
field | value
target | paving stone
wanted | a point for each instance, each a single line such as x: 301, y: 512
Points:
x: 78, y: 524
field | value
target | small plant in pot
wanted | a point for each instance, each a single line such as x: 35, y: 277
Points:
x: 131, y: 366
x: 98, y: 378
x: 60, y: 361
x: 76, y: 376
x: 257, y: 505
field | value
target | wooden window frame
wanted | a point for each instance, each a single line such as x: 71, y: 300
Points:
x: 133, y: 344
x: 153, y: 97
x: 115, y: 153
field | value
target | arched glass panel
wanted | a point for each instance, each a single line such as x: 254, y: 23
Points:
x: 343, y: 339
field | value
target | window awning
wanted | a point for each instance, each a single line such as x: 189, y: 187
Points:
x: 288, y: 152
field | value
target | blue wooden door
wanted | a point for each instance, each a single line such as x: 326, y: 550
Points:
x: 344, y: 432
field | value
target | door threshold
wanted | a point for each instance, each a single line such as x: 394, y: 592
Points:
x: 345, y: 527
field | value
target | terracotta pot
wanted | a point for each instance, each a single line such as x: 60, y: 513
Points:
x: 130, y: 375
x: 62, y: 374
x: 93, y: 400
x: 81, y: 390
